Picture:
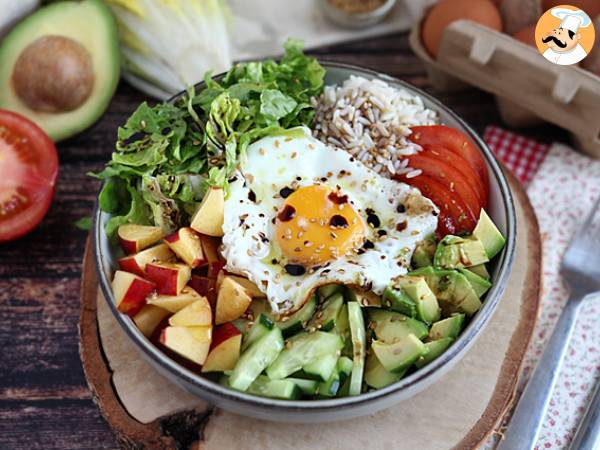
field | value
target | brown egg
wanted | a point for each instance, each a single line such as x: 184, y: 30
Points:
x: 591, y: 7
x: 447, y: 11
x: 526, y: 35
x: 592, y: 62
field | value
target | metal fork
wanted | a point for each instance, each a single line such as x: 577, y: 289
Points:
x: 581, y: 272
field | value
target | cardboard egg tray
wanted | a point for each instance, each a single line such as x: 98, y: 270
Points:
x: 528, y: 88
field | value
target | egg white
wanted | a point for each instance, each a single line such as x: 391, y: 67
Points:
x: 295, y: 160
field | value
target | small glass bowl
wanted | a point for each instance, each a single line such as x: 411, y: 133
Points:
x: 361, y: 20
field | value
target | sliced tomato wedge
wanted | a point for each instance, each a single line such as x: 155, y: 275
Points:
x: 460, y: 164
x: 454, y: 217
x: 28, y: 171
x: 454, y: 182
x: 455, y: 141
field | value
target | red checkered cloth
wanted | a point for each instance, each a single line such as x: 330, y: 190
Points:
x: 523, y: 156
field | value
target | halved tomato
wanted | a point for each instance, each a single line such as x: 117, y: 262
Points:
x: 455, y: 141
x: 28, y: 170
x: 454, y: 181
x: 454, y: 217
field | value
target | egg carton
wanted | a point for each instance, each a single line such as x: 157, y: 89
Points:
x: 528, y: 88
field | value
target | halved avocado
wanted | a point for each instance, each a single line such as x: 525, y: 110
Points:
x: 60, y: 66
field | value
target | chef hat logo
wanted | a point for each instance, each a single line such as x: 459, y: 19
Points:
x: 565, y: 35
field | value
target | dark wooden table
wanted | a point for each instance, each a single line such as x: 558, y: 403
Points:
x: 44, y: 400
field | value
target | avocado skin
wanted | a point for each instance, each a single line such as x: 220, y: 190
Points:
x: 99, y: 37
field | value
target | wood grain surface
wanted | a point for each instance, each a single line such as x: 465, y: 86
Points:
x: 44, y: 399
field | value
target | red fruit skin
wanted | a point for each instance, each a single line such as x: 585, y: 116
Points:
x: 210, y: 246
x: 164, y: 277
x: 223, y: 332
x: 129, y: 247
x: 205, y: 286
x: 173, y: 237
x: 135, y: 297
x: 214, y: 268
x: 129, y: 264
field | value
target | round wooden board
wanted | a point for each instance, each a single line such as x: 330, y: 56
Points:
x: 467, y: 405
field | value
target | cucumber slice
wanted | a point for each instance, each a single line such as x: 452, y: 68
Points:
x: 434, y: 350
x: 303, y: 349
x: 343, y: 330
x: 398, y: 300
x: 308, y: 387
x: 447, y: 328
x: 295, y: 323
x: 376, y: 376
x: 332, y: 386
x: 284, y: 389
x: 390, y: 326
x: 359, y: 344
x: 326, y: 317
x: 256, y: 359
x: 324, y: 292
x: 259, y: 329
x: 322, y: 367
x: 400, y: 355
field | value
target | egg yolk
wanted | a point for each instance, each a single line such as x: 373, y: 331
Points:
x: 317, y: 224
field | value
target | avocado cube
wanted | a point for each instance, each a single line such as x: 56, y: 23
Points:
x: 369, y: 299
x: 489, y: 235
x: 398, y: 300
x: 447, y: 328
x: 454, y: 252
x: 399, y: 356
x: 428, y: 309
x: 480, y: 285
x: 376, y: 376
x: 434, y: 350
x: 423, y: 254
x: 464, y: 297
x: 391, y: 326
x: 480, y: 270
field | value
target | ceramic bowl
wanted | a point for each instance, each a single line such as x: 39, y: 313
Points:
x: 501, y: 210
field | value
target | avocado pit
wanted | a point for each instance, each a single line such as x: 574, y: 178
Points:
x: 53, y: 74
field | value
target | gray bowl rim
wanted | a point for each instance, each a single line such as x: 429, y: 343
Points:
x: 466, y: 338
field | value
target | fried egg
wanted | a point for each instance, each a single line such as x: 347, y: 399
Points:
x: 301, y: 214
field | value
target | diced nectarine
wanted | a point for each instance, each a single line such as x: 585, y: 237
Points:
x: 210, y: 247
x: 174, y: 303
x: 137, y: 263
x: 232, y: 301
x: 208, y: 219
x: 186, y: 244
x: 170, y: 278
x: 197, y: 314
x: 224, y: 350
x: 192, y: 343
x: 252, y: 289
x: 130, y: 292
x: 134, y: 238
x: 149, y: 318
